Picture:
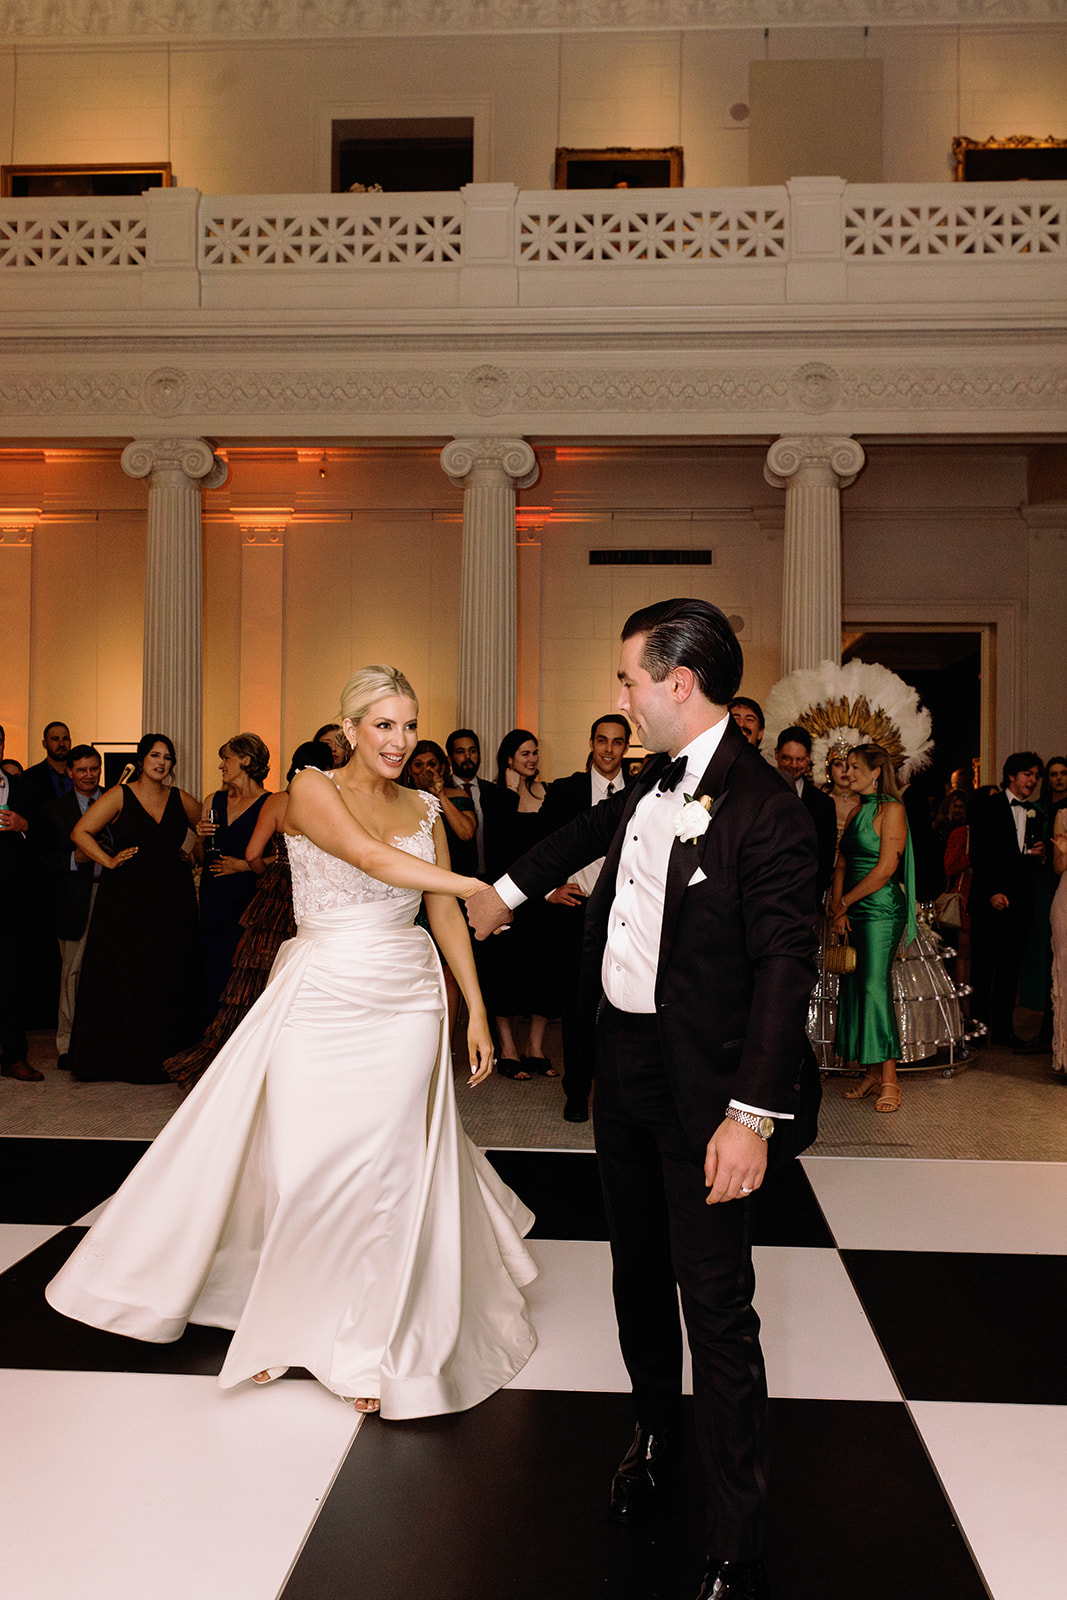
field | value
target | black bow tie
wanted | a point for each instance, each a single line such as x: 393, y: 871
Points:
x: 1023, y: 803
x: 673, y: 776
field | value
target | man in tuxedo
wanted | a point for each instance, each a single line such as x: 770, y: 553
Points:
x: 1007, y: 850
x: 567, y: 798
x: 792, y: 755
x: 494, y: 808
x: 699, y: 962
x: 73, y: 879
x: 15, y: 806
x: 748, y: 714
x: 44, y: 783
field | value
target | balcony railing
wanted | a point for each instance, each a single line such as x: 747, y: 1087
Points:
x: 813, y: 241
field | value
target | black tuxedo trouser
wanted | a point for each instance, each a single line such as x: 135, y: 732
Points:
x: 568, y: 928
x: 997, y: 942
x: 664, y: 1237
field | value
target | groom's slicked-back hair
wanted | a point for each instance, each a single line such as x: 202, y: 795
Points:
x: 693, y: 634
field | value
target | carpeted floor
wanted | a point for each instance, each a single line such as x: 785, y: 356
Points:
x: 998, y: 1107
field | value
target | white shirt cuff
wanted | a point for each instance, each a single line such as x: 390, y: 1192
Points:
x: 761, y: 1111
x: 510, y: 893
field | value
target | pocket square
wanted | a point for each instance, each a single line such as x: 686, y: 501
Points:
x: 699, y: 876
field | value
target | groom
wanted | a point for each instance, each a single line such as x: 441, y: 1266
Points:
x: 698, y: 959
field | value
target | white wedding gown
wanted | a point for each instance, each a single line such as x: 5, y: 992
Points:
x: 316, y: 1192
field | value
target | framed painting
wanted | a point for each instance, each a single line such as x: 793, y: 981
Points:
x: 59, y: 180
x: 619, y: 169
x: 1016, y: 159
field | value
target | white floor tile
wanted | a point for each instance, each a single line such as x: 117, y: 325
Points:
x: 17, y: 1239
x: 1010, y: 1207
x: 118, y: 1486
x: 816, y: 1338
x: 1004, y: 1468
x: 817, y: 1341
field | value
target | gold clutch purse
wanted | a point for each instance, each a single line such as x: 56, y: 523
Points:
x: 840, y: 958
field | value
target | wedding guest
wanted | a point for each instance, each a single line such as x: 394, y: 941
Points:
x: 316, y: 1192
x: 427, y: 769
x: 15, y: 879
x: 227, y: 882
x: 1059, y: 943
x: 567, y: 798
x: 837, y: 785
x: 1008, y: 853
x: 522, y: 973
x: 873, y: 897
x: 75, y: 881
x: 44, y: 783
x: 1054, y: 793
x: 494, y: 809
x: 792, y: 755
x: 332, y: 737
x: 266, y: 924
x: 136, y: 997
x: 748, y: 714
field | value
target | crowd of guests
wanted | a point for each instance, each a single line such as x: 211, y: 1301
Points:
x: 148, y: 975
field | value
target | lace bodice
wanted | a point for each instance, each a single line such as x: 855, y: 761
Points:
x: 322, y: 882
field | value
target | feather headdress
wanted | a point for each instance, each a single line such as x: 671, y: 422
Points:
x: 858, y: 703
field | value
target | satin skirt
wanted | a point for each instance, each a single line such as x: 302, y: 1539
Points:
x: 316, y: 1192
x: 866, y: 1019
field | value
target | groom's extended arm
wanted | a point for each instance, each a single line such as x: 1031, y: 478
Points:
x: 547, y: 865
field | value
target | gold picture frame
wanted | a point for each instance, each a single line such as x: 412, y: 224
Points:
x: 59, y: 180
x: 1019, y: 158
x: 620, y: 168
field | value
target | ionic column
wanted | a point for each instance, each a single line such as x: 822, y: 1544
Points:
x: 489, y: 471
x: 171, y: 696
x: 812, y: 471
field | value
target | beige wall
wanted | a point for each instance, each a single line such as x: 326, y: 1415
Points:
x: 369, y: 569
x: 255, y: 118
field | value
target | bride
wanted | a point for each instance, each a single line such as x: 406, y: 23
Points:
x: 316, y: 1192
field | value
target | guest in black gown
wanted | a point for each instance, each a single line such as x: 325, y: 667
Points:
x: 136, y: 996
x: 227, y: 883
x: 522, y: 959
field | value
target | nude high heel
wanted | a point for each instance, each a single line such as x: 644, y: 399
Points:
x: 867, y: 1086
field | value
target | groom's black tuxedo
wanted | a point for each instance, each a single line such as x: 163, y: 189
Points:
x: 736, y: 960
x: 735, y: 973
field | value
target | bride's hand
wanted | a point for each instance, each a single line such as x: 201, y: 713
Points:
x: 480, y: 1048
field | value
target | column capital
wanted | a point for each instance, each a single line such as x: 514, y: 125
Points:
x: 815, y: 459
x: 177, y: 463
x: 490, y: 461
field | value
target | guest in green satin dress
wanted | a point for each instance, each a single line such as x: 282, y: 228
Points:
x: 873, y: 896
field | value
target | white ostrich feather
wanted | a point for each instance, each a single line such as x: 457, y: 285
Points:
x: 857, y: 702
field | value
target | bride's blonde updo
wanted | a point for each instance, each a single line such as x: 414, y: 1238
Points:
x: 369, y: 685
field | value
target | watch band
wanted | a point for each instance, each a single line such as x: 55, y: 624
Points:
x: 764, y: 1126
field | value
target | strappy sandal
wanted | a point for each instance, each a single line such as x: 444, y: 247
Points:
x: 541, y: 1065
x: 871, y: 1082
x: 516, y: 1070
x: 889, y: 1099
x: 367, y: 1407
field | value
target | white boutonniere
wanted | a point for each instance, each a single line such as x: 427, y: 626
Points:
x: 694, y: 819
x: 1031, y: 814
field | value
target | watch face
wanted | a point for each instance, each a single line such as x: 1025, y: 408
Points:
x: 766, y: 1127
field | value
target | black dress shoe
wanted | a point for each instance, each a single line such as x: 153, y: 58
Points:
x: 576, y: 1110
x: 734, y: 1580
x: 63, y: 1063
x: 642, y: 1472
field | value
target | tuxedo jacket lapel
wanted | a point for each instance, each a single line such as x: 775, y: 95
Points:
x: 685, y: 857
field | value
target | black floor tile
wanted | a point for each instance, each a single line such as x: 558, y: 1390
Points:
x: 856, y: 1509
x: 33, y: 1335
x: 504, y: 1502
x: 59, y: 1180
x: 561, y: 1187
x: 563, y: 1190
x: 786, y: 1212
x: 968, y: 1327
x: 508, y: 1501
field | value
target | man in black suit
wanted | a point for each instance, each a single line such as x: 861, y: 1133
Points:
x: 73, y: 879
x: 15, y: 806
x: 50, y: 777
x: 44, y: 783
x: 1007, y: 850
x: 792, y: 756
x: 494, y: 808
x: 699, y: 959
x: 567, y: 798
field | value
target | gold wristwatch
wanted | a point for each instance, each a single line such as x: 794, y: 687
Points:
x: 764, y: 1126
